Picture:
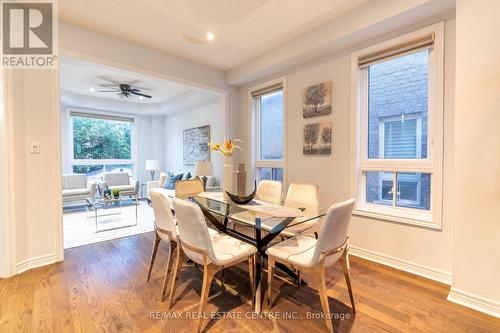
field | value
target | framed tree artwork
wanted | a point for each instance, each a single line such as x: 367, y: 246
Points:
x: 317, y: 100
x: 317, y: 139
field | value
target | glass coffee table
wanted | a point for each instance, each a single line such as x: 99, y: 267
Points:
x: 104, y: 209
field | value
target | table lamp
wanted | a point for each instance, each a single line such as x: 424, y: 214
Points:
x: 152, y: 166
x: 204, y: 169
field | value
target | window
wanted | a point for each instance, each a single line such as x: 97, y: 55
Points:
x: 399, y: 128
x: 101, y: 144
x: 269, y: 127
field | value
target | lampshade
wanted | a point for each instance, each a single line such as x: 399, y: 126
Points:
x: 152, y: 165
x: 204, y: 168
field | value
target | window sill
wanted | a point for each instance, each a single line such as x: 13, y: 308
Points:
x: 421, y: 219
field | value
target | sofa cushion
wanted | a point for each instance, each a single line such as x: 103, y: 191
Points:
x: 76, y: 191
x: 171, y: 180
x: 74, y: 181
x: 211, y: 181
x: 116, y: 178
x: 122, y: 188
x: 163, y: 178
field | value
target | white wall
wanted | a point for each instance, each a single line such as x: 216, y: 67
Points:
x: 36, y: 177
x: 174, y: 126
x: 422, y: 248
x: 5, y: 261
x: 476, y: 251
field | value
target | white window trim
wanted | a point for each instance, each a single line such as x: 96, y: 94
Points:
x: 253, y: 122
x: 433, y: 164
x: 72, y: 161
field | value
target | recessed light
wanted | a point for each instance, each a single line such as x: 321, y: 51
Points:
x: 141, y: 97
x: 210, y: 36
x: 92, y: 89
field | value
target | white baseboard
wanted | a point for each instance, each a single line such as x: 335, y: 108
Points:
x: 35, y: 262
x: 474, y: 302
x: 407, y: 266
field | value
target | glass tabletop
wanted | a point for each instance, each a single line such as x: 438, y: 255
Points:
x: 104, y: 203
x: 257, y: 214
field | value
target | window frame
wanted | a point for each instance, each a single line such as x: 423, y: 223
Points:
x: 104, y: 162
x: 254, y: 121
x: 432, y: 164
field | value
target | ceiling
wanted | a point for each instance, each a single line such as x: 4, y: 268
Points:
x: 243, y: 29
x: 77, y: 77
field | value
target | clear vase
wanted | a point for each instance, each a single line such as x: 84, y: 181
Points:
x: 227, y: 184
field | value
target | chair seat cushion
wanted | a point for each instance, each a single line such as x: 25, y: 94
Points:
x: 229, y: 250
x: 76, y: 191
x: 297, y: 250
x: 122, y: 188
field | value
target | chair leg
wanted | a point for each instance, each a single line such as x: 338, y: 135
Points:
x: 324, y: 299
x: 299, y: 279
x: 270, y: 274
x: 165, y: 280
x: 177, y: 268
x: 251, y: 275
x: 156, y: 242
x: 347, y: 275
x: 209, y: 272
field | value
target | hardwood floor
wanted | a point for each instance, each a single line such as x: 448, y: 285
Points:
x: 102, y: 287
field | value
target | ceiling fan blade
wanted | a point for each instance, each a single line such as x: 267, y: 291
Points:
x: 113, y: 82
x: 143, y: 88
x: 139, y: 94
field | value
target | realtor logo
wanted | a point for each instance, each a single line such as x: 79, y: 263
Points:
x: 29, y: 34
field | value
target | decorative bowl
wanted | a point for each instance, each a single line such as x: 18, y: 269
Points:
x: 241, y: 200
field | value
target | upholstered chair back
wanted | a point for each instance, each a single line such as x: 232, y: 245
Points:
x: 303, y: 196
x: 269, y: 191
x: 116, y: 178
x: 74, y: 181
x: 188, y: 188
x: 333, y: 232
x: 164, y: 218
x: 193, y: 230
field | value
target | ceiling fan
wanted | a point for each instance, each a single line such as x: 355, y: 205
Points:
x: 125, y: 91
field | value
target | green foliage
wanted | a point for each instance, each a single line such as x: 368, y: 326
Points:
x: 101, y: 139
x: 115, y: 192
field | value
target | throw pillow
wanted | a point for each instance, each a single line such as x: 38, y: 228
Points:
x: 171, y: 180
x: 163, y: 178
x: 186, y: 176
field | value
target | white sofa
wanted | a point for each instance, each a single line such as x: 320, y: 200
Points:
x: 123, y: 182
x: 211, y: 184
x: 75, y: 187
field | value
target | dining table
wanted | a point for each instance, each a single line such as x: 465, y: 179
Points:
x: 263, y: 222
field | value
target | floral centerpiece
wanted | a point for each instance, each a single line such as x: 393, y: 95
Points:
x: 227, y: 148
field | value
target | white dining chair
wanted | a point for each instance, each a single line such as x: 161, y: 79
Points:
x: 188, y: 188
x: 214, y: 251
x: 311, y: 255
x: 269, y: 191
x: 165, y: 229
x: 306, y: 198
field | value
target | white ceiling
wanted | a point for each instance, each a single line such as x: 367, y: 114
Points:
x: 168, y: 97
x: 243, y: 28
